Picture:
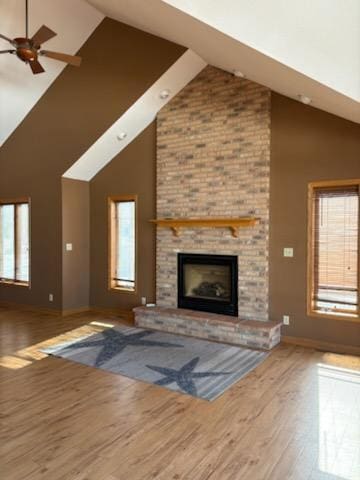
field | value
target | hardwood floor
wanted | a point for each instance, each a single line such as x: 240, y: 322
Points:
x: 297, y: 416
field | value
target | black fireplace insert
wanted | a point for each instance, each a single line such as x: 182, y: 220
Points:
x: 208, y: 283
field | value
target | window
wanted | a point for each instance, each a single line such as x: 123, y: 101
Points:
x: 122, y: 216
x: 334, y: 249
x: 14, y: 242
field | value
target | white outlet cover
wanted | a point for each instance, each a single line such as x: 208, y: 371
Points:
x: 288, y: 252
x: 69, y: 247
x: 286, y: 320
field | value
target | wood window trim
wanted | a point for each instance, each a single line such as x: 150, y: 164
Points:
x: 310, y: 250
x: 112, y: 200
x: 14, y: 201
x: 19, y: 201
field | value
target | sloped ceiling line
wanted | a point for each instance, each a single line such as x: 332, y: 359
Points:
x: 136, y: 118
x: 308, y: 49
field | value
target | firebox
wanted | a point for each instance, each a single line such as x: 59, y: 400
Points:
x: 208, y: 283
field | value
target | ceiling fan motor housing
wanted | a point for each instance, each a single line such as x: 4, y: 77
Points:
x: 25, y: 50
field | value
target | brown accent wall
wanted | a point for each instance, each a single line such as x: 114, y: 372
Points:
x: 306, y: 145
x: 75, y: 230
x: 131, y: 172
x: 25, y: 173
x: 119, y: 64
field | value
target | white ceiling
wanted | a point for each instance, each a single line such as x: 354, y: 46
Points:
x: 308, y: 47
x: 20, y: 90
x: 316, y: 37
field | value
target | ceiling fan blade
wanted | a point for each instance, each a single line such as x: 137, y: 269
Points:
x: 63, y: 57
x: 7, y: 39
x: 7, y: 51
x: 42, y: 35
x: 36, y: 67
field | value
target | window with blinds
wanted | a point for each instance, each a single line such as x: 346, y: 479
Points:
x: 122, y: 247
x: 14, y: 242
x: 335, y: 250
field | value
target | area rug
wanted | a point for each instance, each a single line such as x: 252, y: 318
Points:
x: 195, y: 367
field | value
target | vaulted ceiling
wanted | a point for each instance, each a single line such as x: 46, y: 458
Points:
x: 318, y: 38
x: 309, y: 48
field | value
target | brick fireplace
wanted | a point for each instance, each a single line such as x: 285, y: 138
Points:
x: 213, y: 160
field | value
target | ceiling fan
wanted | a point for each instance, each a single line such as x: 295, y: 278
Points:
x: 29, y: 49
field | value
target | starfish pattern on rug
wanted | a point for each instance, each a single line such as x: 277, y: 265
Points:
x: 184, y: 377
x: 114, y: 342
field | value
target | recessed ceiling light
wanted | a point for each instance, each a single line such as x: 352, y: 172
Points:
x: 164, y: 94
x: 304, y: 99
x: 121, y: 136
x: 239, y: 74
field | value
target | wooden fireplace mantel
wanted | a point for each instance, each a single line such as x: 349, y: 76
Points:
x: 232, y: 223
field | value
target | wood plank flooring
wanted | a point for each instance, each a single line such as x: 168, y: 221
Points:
x: 296, y: 417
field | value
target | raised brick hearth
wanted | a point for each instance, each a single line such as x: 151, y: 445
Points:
x: 221, y: 328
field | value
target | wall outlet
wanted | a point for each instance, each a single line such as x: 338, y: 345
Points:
x: 68, y: 247
x: 143, y: 300
x: 51, y: 297
x: 286, y: 320
x: 288, y: 252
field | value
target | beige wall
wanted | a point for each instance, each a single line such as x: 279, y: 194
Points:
x: 131, y: 172
x: 75, y: 231
x: 119, y: 64
x: 306, y: 145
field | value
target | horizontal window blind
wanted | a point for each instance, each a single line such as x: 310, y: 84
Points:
x: 336, y: 250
